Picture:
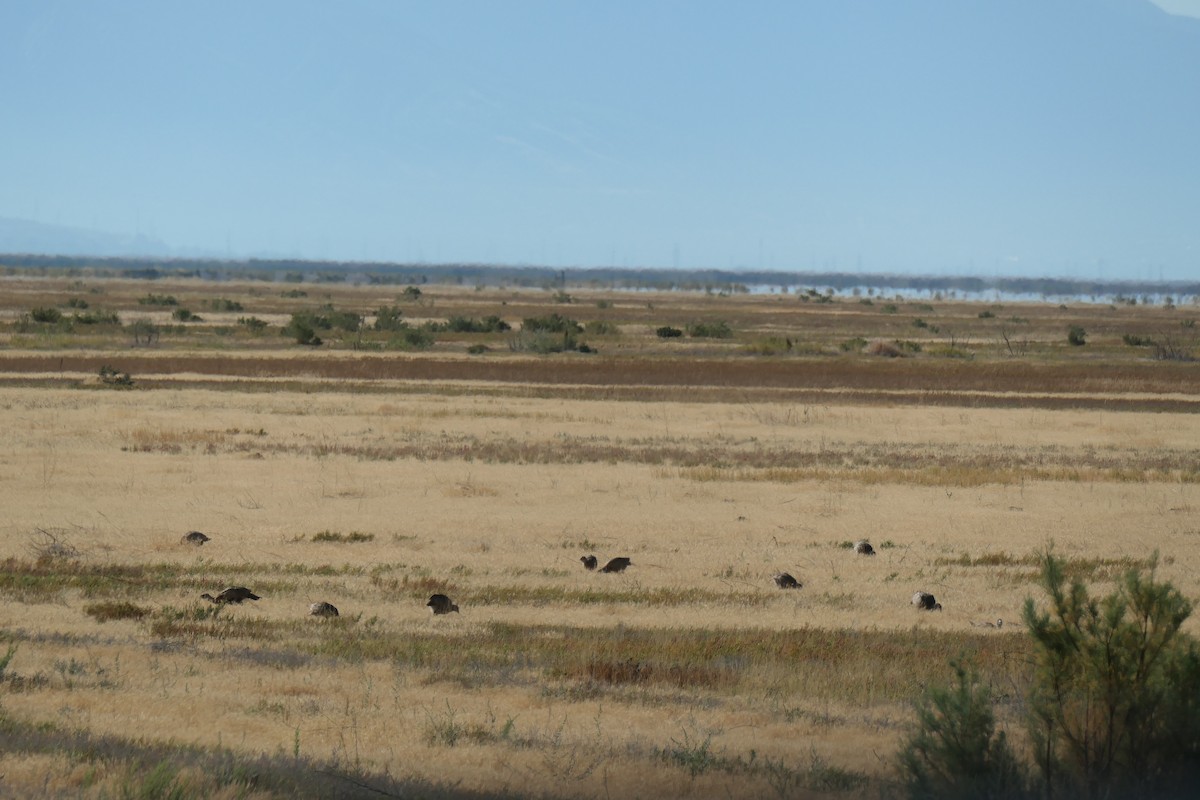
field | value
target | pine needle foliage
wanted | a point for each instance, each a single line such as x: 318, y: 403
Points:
x: 955, y: 750
x: 1115, y: 707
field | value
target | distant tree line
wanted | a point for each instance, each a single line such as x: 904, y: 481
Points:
x: 296, y: 271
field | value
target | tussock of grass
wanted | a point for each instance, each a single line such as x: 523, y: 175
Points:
x: 106, y: 611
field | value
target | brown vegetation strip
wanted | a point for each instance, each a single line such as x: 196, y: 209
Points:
x: 951, y: 463
x: 819, y: 380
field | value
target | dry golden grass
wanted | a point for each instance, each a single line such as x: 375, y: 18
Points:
x: 371, y: 484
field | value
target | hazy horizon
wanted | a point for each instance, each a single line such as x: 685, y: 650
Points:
x: 1024, y: 137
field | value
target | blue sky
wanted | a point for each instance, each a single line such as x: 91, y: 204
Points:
x: 993, y: 137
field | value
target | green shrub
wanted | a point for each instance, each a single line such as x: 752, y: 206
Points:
x: 144, y: 331
x: 920, y: 323
x: 491, y: 324
x: 387, y: 318
x: 158, y: 300
x: 97, y: 318
x: 854, y: 345
x: 253, y: 324
x: 46, y: 314
x: 710, y: 330
x: 667, y: 332
x: 954, y: 750
x: 222, y: 304
x: 552, y: 323
x: 184, y: 315
x: 1115, y: 706
x: 411, y: 339
x: 1077, y: 336
x: 347, y: 321
x: 411, y: 293
x: 77, y: 302
x: 303, y: 328
x: 986, y: 315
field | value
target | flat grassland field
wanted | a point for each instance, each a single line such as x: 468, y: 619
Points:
x: 437, y: 451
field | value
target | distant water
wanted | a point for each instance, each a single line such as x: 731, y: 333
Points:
x: 906, y: 294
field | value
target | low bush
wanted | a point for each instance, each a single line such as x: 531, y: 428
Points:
x: 303, y: 328
x: 551, y: 323
x: 1113, y: 708
x: 158, y: 300
x: 388, y: 318
x: 491, y: 324
x: 223, y: 304
x: 411, y: 339
x: 710, y: 330
x: 954, y: 750
x: 854, y: 345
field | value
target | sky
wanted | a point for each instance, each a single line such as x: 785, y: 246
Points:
x: 990, y: 137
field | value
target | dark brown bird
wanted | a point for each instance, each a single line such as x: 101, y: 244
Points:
x: 234, y: 594
x: 863, y: 548
x: 441, y: 604
x: 784, y: 580
x: 618, y: 564
x: 589, y: 562
x: 323, y: 609
x: 194, y: 537
x: 926, y: 602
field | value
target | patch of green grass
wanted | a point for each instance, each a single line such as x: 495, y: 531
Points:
x: 352, y: 537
